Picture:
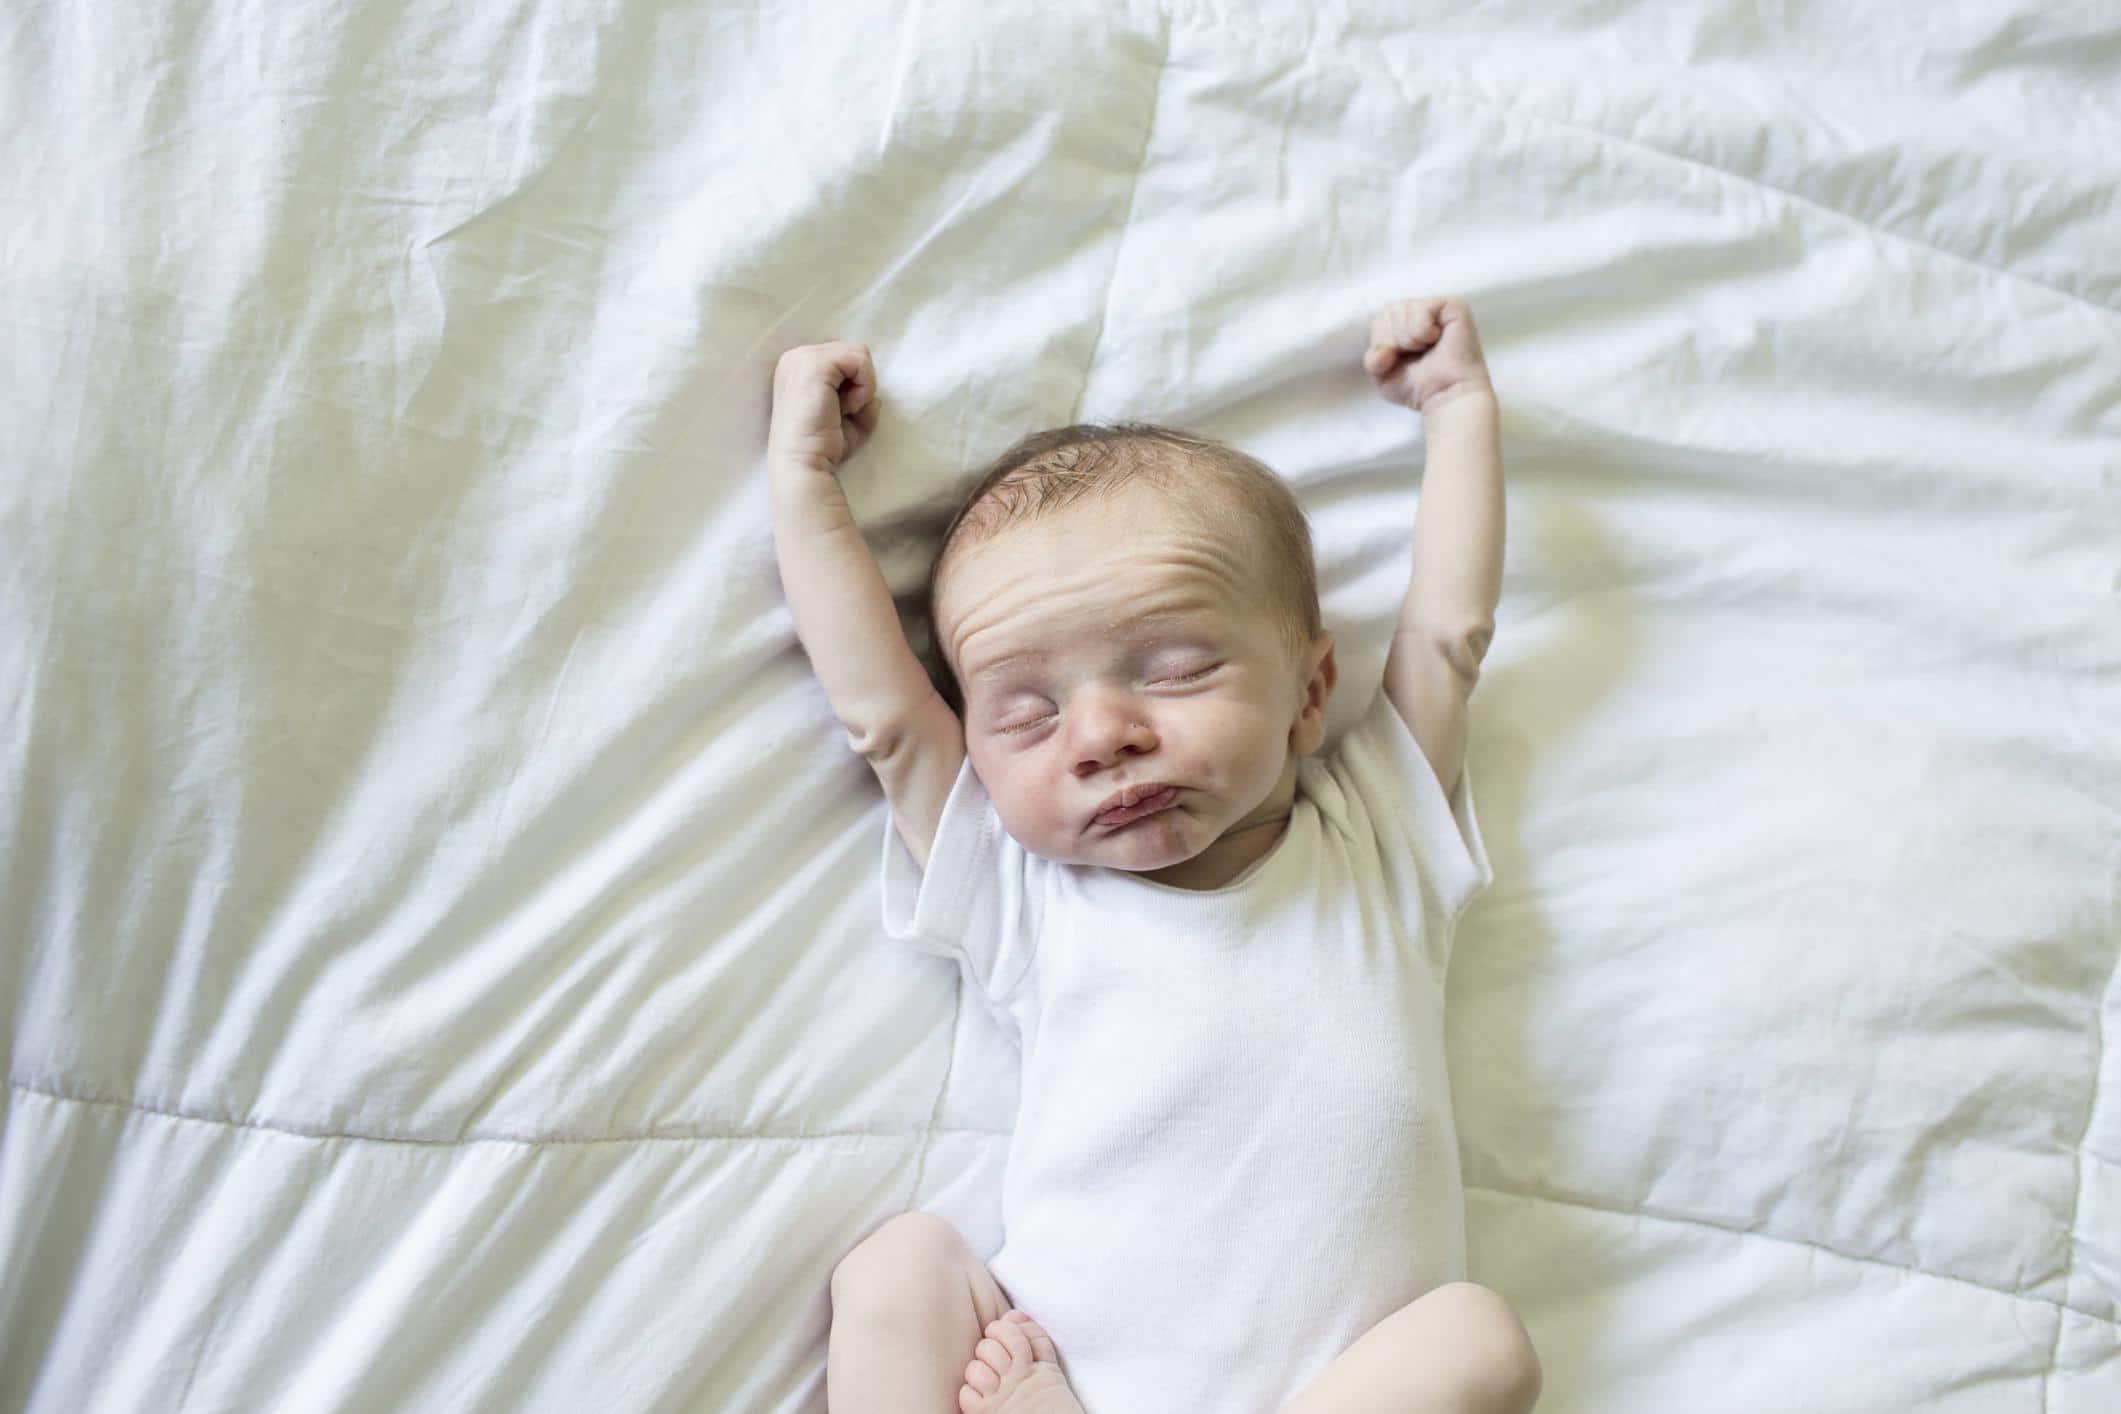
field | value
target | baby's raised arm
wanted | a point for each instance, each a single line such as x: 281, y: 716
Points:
x: 1426, y: 355
x: 824, y: 408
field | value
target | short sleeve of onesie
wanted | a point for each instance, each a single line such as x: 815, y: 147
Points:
x: 977, y: 901
x: 1429, y: 843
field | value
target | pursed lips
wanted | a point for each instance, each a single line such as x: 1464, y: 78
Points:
x: 1151, y: 795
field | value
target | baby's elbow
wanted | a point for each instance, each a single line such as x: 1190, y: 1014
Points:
x: 869, y: 742
x: 1478, y: 638
x: 1466, y: 648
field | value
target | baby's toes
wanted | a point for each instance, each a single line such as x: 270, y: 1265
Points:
x: 1010, y: 1334
x: 1035, y: 1337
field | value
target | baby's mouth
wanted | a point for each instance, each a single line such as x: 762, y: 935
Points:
x: 1146, y: 806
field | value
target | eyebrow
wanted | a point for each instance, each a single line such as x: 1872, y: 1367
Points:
x: 1039, y: 655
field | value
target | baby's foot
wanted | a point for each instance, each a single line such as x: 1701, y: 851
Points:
x: 1015, y: 1370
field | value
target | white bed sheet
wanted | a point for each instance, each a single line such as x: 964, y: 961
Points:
x: 441, y: 961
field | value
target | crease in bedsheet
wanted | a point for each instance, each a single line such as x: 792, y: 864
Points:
x: 1119, y: 245
x: 926, y: 238
x: 1405, y: 82
x: 908, y: 27
x: 1799, y: 199
x: 420, y: 258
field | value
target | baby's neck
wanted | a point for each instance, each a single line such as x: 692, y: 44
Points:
x: 1231, y: 855
x: 1242, y: 845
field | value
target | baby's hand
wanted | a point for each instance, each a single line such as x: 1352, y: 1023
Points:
x: 1425, y: 352
x: 825, y: 404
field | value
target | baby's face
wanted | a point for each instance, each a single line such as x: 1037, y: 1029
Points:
x: 1117, y: 644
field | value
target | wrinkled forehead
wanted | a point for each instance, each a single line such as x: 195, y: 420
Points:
x: 1097, y: 567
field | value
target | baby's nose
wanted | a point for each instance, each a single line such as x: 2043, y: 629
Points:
x: 1107, y: 728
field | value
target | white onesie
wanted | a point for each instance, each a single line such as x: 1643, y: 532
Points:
x: 1234, y: 1150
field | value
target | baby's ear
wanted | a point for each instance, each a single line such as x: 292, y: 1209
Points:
x: 1324, y: 672
x: 1309, y: 733
x: 1327, y: 666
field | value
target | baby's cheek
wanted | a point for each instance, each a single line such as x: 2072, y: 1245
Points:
x: 1026, y: 805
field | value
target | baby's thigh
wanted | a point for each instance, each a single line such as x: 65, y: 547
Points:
x: 1459, y: 1347
x: 918, y: 1264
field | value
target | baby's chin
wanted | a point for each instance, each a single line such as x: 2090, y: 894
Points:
x: 1153, y: 842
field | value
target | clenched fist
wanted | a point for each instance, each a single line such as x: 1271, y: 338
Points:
x: 825, y: 404
x: 1424, y: 353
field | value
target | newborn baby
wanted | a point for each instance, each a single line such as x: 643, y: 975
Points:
x: 1233, y: 1183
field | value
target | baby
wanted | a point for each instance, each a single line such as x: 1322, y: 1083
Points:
x: 1233, y: 1184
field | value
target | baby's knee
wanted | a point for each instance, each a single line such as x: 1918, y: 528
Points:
x: 906, y: 1262
x: 1500, y: 1369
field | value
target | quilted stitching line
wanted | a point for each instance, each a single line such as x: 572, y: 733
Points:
x: 525, y: 1141
x: 1571, y: 1201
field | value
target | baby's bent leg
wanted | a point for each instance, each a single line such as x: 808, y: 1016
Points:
x: 908, y: 1306
x: 1458, y: 1350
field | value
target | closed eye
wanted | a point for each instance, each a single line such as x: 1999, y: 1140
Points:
x: 1022, y: 727
x: 1189, y: 677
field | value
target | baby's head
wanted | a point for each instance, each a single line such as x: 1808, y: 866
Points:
x: 1117, y: 606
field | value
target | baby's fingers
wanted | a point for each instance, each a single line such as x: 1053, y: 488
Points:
x: 847, y: 367
x: 1411, y: 325
x: 859, y: 390
x: 842, y: 368
x: 858, y: 427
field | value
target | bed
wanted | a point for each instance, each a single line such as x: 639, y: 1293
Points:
x: 442, y: 965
